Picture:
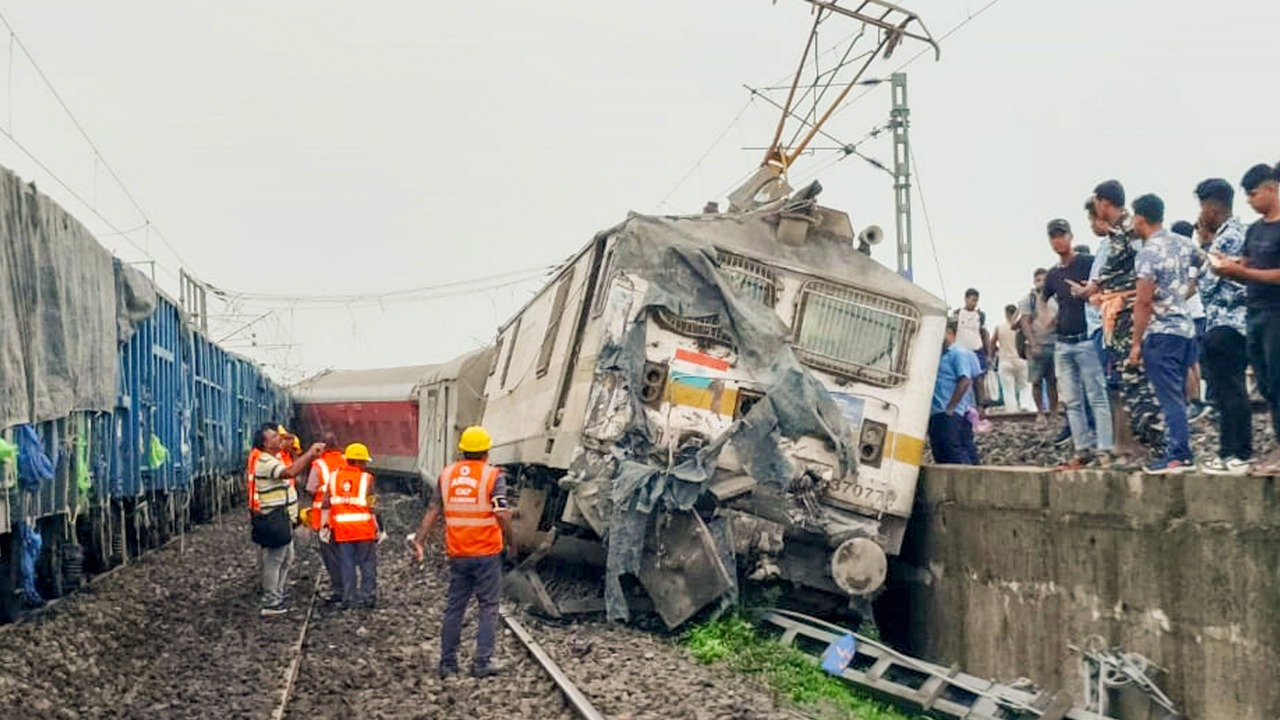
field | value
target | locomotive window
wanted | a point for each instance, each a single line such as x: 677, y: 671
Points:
x: 553, y: 324
x: 602, y: 285
x: 854, y: 334
x: 750, y: 277
x: 511, y: 350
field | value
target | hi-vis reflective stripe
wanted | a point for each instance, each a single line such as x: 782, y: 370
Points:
x: 470, y: 521
x: 360, y: 498
x: 352, y: 517
x: 470, y: 508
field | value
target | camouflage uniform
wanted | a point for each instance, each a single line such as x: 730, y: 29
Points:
x: 1139, y: 399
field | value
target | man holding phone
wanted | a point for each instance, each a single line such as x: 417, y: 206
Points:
x: 1080, y: 376
x: 1225, y: 358
x: 1259, y: 270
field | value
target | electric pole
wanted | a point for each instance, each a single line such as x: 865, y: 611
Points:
x: 899, y: 120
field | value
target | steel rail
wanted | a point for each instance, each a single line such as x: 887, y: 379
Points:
x: 579, y: 702
x: 291, y: 672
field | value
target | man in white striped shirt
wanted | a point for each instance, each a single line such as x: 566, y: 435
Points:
x: 276, y: 493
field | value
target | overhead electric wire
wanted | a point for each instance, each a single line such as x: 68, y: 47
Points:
x: 77, y: 196
x: 16, y: 40
x: 922, y: 51
x: 928, y: 225
x: 702, y: 158
x: 456, y: 287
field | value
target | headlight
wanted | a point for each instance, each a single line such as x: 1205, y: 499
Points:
x: 871, y: 443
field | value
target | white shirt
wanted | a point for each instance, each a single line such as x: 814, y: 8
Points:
x: 1006, y: 342
x: 969, y: 329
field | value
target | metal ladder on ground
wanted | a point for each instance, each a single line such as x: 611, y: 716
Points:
x: 940, y: 691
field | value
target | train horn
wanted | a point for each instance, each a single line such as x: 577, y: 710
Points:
x: 870, y: 235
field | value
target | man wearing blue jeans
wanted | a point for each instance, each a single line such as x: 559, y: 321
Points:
x: 1162, y: 326
x: 1079, y: 371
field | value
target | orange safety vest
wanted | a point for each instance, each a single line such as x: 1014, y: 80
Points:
x: 328, y: 465
x: 470, y: 526
x: 349, y: 514
x: 250, y: 472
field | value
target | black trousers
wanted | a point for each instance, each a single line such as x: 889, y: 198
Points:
x: 1224, y: 364
x: 951, y: 440
x: 1264, y: 355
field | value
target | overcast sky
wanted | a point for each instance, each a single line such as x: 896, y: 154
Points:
x: 365, y: 147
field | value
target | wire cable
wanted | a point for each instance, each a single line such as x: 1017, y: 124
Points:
x: 71, y: 191
x: 702, y: 158
x: 440, y: 290
x: 926, y: 49
x: 928, y: 225
x: 15, y: 40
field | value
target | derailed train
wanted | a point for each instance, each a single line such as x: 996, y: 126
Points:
x: 128, y: 421
x: 690, y: 401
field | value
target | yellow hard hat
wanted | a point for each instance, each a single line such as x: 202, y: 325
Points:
x: 356, y: 451
x: 304, y: 515
x: 475, y: 439
x: 297, y: 444
x: 281, y: 431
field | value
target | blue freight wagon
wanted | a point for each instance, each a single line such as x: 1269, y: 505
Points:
x: 125, y: 422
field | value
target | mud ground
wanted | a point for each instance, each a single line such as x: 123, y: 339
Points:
x: 176, y: 635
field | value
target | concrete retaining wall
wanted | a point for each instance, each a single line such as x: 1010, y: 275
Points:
x: 1003, y: 568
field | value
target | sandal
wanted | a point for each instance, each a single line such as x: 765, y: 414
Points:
x: 1079, y: 462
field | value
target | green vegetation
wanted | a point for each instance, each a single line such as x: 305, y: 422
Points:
x: 787, y: 671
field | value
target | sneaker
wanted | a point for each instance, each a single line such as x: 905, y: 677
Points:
x: 1226, y: 466
x: 1169, y: 467
x: 447, y: 671
x: 1063, y: 437
x: 488, y: 669
x: 1197, y: 411
x: 273, y: 610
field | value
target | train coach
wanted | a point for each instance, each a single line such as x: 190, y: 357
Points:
x: 122, y: 421
x: 409, y: 417
x: 690, y: 400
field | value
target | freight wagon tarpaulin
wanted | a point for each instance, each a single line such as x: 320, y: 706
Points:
x: 59, y: 309
x: 677, y: 258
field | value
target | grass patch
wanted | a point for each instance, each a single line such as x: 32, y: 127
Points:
x: 787, y: 671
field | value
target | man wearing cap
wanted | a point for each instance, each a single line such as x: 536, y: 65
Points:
x: 1080, y: 376
x: 1162, y: 326
x: 1114, y: 290
x: 1259, y: 270
x: 1225, y: 360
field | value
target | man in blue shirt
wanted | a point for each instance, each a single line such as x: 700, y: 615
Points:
x: 950, y: 434
x: 1162, y: 326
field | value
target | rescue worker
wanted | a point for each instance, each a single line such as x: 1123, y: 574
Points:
x: 273, y: 493
x: 354, y: 528
x: 322, y: 473
x: 471, y: 496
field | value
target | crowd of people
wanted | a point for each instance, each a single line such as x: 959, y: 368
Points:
x: 1125, y: 336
